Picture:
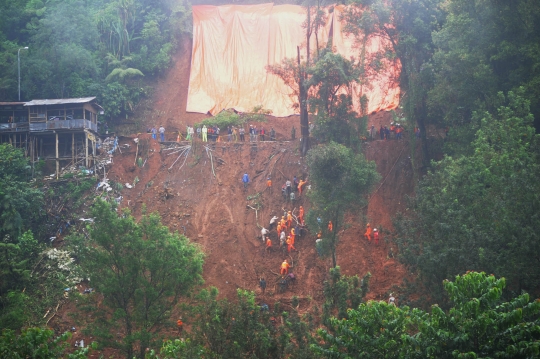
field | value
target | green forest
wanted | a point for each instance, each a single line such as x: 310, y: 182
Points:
x: 469, y: 237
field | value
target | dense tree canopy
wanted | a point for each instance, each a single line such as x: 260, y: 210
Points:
x: 341, y: 180
x: 481, y: 210
x: 470, y: 65
x: 479, y: 325
x: 141, y: 269
x: 80, y: 48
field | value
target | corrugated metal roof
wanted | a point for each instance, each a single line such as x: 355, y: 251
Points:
x: 61, y: 101
x: 11, y: 103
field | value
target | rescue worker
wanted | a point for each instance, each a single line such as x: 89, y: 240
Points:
x: 368, y: 233
x: 392, y: 299
x: 301, y: 214
x: 289, y: 219
x: 290, y: 244
x: 284, y: 268
x: 376, y: 235
x: 330, y: 226
x: 278, y: 228
x: 293, y: 235
x: 268, y: 245
x: 300, y: 185
x: 180, y: 325
x: 283, y: 223
x: 268, y: 183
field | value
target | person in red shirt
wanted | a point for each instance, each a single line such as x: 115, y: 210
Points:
x: 330, y: 226
x: 376, y: 235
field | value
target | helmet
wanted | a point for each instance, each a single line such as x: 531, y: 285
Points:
x: 374, y: 229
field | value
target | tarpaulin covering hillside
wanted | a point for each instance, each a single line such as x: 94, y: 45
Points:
x: 233, y: 44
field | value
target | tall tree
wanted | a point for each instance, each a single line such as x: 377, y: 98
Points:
x: 479, y: 325
x: 330, y: 79
x: 141, y: 269
x: 484, y: 48
x: 407, y: 26
x: 340, y: 179
x: 480, y: 211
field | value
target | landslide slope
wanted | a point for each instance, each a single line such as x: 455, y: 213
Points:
x: 203, y: 196
x: 214, y: 212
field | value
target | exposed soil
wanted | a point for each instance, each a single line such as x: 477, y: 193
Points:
x: 213, y: 210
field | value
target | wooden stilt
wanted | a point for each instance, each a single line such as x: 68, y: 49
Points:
x: 57, y: 161
x: 73, y: 147
x: 86, y: 148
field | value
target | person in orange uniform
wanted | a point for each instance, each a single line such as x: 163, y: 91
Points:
x: 293, y: 235
x: 290, y: 244
x: 368, y: 233
x: 330, y: 226
x: 284, y: 268
x: 283, y: 223
x: 269, y: 183
x: 268, y: 245
x: 300, y: 185
x: 301, y: 215
x: 180, y: 325
x: 289, y: 219
x: 279, y: 228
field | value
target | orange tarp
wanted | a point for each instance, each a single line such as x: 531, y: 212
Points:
x: 233, y: 44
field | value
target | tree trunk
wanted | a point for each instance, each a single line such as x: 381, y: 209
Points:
x: 304, y: 119
x: 335, y: 221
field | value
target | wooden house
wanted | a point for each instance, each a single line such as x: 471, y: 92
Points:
x: 60, y: 130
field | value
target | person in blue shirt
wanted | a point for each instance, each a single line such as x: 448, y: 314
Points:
x: 245, y: 179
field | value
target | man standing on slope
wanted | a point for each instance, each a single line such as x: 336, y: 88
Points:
x: 162, y: 133
x: 264, y: 232
x: 273, y: 222
x: 245, y: 179
x: 205, y: 134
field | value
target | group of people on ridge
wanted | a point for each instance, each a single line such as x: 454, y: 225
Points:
x: 385, y: 133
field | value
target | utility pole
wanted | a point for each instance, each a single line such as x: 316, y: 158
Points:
x: 19, y: 67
